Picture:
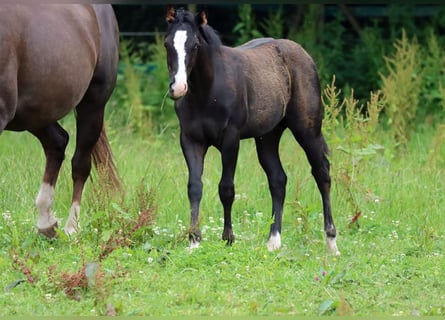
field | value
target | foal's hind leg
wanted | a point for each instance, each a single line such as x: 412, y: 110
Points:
x: 268, y: 155
x: 54, y: 140
x: 314, y: 145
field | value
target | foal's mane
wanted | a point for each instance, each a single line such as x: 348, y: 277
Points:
x: 209, y: 34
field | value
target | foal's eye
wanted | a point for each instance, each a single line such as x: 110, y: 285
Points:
x: 196, y: 46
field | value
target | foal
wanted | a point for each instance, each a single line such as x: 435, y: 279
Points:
x: 257, y: 90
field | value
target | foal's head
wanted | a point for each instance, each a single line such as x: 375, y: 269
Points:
x: 182, y: 42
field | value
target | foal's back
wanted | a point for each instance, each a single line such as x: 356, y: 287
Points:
x: 276, y: 74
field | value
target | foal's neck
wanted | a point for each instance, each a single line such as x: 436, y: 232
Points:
x: 203, y: 73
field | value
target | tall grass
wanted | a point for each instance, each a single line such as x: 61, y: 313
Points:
x: 396, y: 242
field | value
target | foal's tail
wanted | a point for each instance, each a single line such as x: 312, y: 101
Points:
x: 103, y: 161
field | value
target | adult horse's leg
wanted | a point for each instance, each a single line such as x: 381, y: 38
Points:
x: 90, y: 114
x: 314, y: 145
x: 54, y: 140
x: 229, y: 155
x: 194, y: 154
x: 89, y: 121
x: 268, y: 155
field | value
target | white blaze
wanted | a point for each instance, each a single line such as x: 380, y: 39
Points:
x: 179, y: 86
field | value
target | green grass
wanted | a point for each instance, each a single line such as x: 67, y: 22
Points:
x: 390, y: 264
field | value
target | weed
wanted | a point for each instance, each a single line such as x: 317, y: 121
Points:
x: 352, y: 131
x: 21, y: 265
x: 401, y: 88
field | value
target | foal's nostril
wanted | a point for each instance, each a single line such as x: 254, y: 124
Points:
x: 177, y: 89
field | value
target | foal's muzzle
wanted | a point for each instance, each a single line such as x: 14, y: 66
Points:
x: 177, y: 89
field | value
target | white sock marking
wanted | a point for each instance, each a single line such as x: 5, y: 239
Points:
x: 44, y: 202
x: 180, y: 85
x: 194, y: 244
x: 274, y: 242
x: 72, y: 224
x: 331, y: 244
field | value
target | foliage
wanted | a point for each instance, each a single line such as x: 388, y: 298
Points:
x: 139, y: 101
x: 352, y: 130
x: 273, y: 24
x: 412, y: 84
x: 401, y: 87
x: 431, y: 97
x: 246, y: 27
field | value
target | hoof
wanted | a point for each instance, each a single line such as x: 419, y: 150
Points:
x: 49, y: 232
x: 229, y: 238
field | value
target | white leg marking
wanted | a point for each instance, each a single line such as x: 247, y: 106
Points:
x: 179, y: 87
x: 72, y: 224
x: 44, y: 202
x: 274, y: 242
x: 194, y: 244
x: 331, y: 244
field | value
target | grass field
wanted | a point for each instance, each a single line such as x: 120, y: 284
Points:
x: 391, y: 263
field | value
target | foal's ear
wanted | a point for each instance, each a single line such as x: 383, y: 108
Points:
x: 201, y: 18
x: 171, y: 14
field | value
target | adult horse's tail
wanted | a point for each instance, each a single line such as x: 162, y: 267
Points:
x: 104, y: 163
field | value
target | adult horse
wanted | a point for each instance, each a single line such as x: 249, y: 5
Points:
x: 257, y: 90
x: 56, y: 58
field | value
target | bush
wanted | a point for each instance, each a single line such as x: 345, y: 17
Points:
x: 140, y: 101
x: 401, y: 88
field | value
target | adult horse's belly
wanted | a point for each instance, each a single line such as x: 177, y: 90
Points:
x: 56, y: 58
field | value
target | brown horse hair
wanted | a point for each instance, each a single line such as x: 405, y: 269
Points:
x: 105, y: 166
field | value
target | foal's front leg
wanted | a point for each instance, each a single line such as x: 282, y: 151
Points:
x: 194, y: 156
x: 229, y: 155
